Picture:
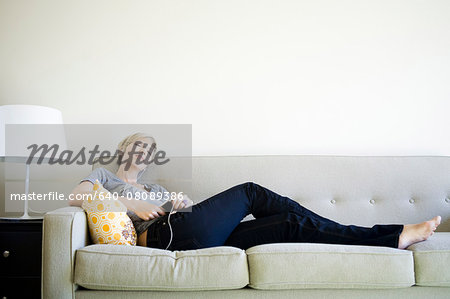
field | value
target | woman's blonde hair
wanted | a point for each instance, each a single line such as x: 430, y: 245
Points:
x: 132, y: 138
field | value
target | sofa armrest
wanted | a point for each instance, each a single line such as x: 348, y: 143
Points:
x: 64, y: 231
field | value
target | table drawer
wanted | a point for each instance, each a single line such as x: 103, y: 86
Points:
x: 20, y: 287
x: 20, y: 253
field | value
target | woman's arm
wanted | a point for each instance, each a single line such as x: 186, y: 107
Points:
x: 84, y: 187
x: 142, y: 209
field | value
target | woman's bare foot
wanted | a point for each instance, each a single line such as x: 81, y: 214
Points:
x: 413, y: 233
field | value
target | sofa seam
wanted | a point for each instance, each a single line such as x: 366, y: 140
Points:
x: 432, y: 281
x: 320, y: 252
x: 169, y: 288
x: 431, y: 251
x: 72, y: 260
x: 141, y: 255
x: 322, y: 283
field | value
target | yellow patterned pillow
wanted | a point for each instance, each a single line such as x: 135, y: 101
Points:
x: 108, y: 219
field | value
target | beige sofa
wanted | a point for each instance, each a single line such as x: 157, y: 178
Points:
x: 350, y: 190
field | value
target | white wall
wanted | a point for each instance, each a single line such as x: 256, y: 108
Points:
x: 355, y: 77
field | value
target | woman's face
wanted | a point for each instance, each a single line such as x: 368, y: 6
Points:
x: 139, y: 150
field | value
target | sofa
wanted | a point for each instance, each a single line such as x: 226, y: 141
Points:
x: 361, y: 190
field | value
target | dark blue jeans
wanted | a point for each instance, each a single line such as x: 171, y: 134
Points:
x: 216, y: 221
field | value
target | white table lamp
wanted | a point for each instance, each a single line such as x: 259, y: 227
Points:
x: 18, y: 130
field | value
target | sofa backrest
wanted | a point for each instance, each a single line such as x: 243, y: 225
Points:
x: 348, y: 189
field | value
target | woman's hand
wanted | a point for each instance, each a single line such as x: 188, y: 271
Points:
x: 145, y: 210
x: 184, y: 202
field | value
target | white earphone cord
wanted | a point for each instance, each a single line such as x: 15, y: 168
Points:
x: 170, y: 227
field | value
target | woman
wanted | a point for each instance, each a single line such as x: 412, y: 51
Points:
x: 216, y: 221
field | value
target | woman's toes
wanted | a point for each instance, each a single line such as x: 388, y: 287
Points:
x: 437, y: 220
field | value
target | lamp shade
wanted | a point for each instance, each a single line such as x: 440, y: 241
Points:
x: 23, y: 125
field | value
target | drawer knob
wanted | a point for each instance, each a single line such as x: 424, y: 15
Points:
x: 5, y: 253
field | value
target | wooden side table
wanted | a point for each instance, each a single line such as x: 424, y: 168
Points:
x: 21, y: 258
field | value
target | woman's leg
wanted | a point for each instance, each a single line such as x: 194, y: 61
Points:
x: 217, y: 221
x: 211, y: 221
x: 291, y: 227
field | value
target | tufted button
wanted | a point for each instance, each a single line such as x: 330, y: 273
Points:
x: 447, y: 200
x: 372, y: 201
x: 412, y: 200
x: 333, y: 201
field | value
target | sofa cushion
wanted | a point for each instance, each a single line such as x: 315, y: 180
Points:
x: 304, y: 265
x: 113, y: 267
x: 432, y: 260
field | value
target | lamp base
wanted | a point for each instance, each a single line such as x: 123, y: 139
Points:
x: 23, y: 218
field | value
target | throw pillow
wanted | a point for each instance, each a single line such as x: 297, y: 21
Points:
x: 107, y: 218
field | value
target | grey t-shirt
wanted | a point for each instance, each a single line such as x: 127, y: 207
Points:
x: 114, y: 184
